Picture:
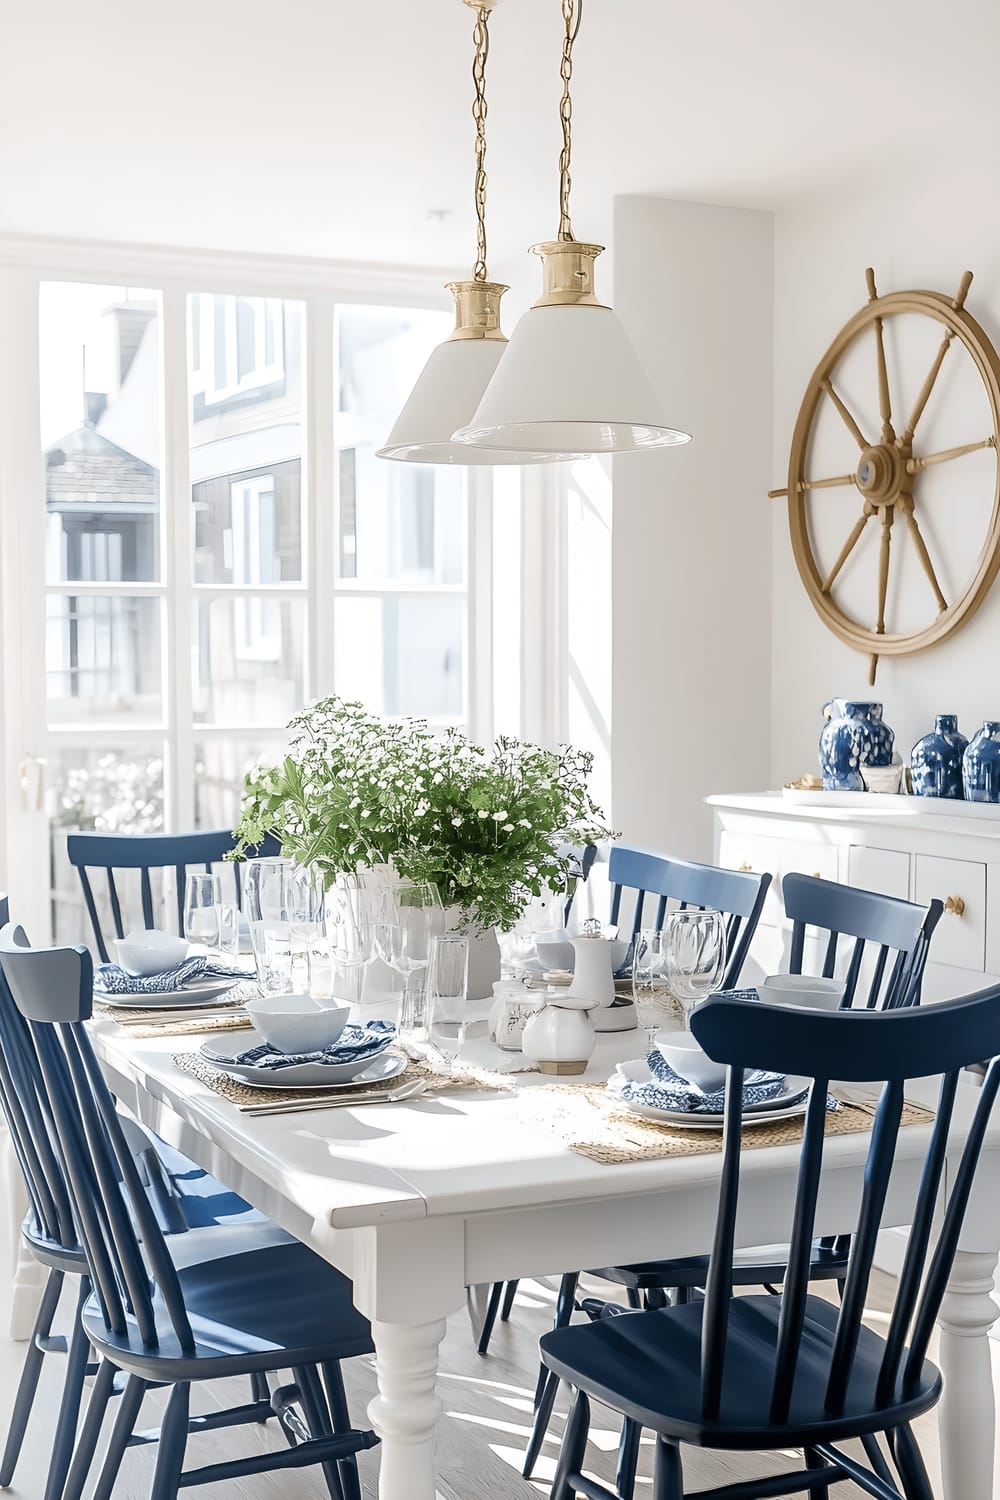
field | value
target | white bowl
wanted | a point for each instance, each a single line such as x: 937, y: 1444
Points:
x: 682, y: 1051
x: 297, y: 1023
x: 144, y: 952
x: 802, y: 990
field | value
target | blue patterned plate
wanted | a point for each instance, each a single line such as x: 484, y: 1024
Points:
x: 791, y: 1102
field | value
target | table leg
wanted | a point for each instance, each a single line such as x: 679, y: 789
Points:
x: 966, y: 1415
x: 27, y: 1277
x: 406, y: 1410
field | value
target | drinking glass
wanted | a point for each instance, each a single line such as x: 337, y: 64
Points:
x: 696, y: 955
x: 409, y: 916
x: 305, y: 903
x: 266, y: 906
x: 202, y: 899
x: 340, y: 954
x: 229, y: 931
x: 448, y: 991
x: 650, y: 984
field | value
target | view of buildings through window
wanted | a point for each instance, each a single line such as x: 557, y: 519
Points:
x: 159, y: 621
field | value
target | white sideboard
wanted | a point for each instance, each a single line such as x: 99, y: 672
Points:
x: 903, y: 846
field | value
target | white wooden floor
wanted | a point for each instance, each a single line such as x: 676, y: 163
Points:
x: 487, y: 1404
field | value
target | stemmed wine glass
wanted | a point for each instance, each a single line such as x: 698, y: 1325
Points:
x: 695, y: 947
x: 409, y: 917
x: 650, y: 983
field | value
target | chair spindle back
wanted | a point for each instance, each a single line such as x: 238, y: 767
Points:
x: 130, y: 1267
x: 894, y: 935
x: 737, y: 894
x: 888, y: 1048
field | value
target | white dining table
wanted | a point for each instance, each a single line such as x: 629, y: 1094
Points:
x: 418, y: 1201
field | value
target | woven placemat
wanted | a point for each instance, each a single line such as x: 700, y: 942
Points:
x: 589, y: 1124
x: 246, y: 1095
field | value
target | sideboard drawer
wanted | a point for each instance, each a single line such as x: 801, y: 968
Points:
x: 960, y: 939
x: 886, y: 871
x: 752, y: 851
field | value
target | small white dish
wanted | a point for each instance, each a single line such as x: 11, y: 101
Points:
x: 311, y: 1075
x: 144, y: 952
x: 682, y: 1052
x: 297, y: 1023
x: 802, y: 990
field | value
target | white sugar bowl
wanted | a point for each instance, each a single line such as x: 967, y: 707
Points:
x: 513, y: 1005
x: 560, y: 1037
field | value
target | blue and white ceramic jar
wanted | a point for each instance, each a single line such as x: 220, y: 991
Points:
x: 853, y: 736
x: 936, y: 760
x: 981, y: 764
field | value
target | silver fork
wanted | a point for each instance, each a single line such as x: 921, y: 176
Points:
x: 389, y: 1096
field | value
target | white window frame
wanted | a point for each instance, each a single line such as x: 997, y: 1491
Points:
x: 257, y: 619
x: 321, y: 286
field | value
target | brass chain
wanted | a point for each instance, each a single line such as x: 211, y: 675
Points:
x: 481, y: 42
x: 572, y: 14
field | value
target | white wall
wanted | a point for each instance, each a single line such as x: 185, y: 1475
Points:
x: 921, y: 232
x: 691, y: 535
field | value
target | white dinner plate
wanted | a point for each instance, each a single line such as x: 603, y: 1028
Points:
x: 788, y: 1105
x: 199, y: 992
x: 362, y: 1071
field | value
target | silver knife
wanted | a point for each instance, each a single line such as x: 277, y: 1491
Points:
x: 290, y: 1107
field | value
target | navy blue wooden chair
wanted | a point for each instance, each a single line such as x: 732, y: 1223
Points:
x: 753, y: 1373
x: 656, y: 884
x: 178, y: 1309
x: 880, y: 939
x: 182, y: 1199
x: 145, y: 854
x: 650, y: 885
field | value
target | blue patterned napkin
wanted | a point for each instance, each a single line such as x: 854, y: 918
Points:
x: 354, y: 1044
x: 111, y: 979
x: 668, y: 1090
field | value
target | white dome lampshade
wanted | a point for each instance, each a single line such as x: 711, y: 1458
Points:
x: 570, y: 382
x: 451, y: 385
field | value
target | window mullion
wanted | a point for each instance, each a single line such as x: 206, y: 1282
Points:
x: 320, y: 494
x: 479, y: 627
x: 178, y: 552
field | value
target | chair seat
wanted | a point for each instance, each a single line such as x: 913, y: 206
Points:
x: 647, y: 1366
x: 262, y: 1305
x: 50, y: 1253
x: 201, y: 1199
x: 763, y: 1263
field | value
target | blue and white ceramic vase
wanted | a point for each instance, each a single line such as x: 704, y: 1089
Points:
x: 981, y: 764
x: 853, y: 736
x: 936, y: 760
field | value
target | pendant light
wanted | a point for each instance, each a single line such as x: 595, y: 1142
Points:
x: 570, y: 383
x: 453, y: 380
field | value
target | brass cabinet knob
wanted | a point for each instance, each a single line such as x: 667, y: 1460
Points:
x: 816, y: 875
x: 955, y: 905
x: 745, y: 868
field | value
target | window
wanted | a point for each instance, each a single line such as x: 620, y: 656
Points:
x: 205, y: 580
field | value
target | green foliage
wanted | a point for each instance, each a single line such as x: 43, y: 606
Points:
x: 356, y: 791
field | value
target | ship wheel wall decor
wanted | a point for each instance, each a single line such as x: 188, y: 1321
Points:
x: 852, y: 529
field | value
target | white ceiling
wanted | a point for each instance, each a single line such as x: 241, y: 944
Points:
x: 334, y: 127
